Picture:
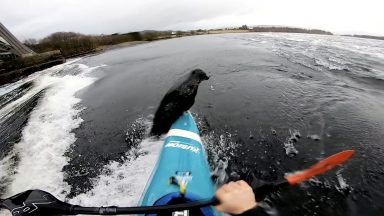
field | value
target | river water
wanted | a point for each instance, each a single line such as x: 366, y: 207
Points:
x: 78, y: 130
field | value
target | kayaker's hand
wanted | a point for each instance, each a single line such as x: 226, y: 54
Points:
x: 235, y: 198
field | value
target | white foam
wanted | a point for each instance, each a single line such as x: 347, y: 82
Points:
x: 5, y: 172
x: 221, y: 150
x: 123, y: 183
x: 342, y: 183
x: 289, y: 146
x: 46, y: 137
x: 12, y: 86
x: 9, y: 108
x: 41, y: 81
x: 290, y: 149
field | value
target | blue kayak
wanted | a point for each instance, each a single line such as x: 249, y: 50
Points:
x: 181, y: 173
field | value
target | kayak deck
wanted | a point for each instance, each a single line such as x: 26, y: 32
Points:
x: 182, y: 163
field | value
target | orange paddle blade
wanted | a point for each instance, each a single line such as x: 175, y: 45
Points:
x: 320, y: 167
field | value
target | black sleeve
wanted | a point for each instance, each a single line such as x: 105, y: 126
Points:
x: 258, y: 211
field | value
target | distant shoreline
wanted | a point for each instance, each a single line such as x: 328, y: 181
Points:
x: 366, y: 37
x: 25, y: 66
x: 19, y: 73
x: 120, y: 45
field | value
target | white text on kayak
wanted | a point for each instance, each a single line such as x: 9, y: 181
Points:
x: 182, y: 146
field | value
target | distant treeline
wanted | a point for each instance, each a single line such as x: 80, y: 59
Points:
x: 366, y: 36
x: 289, y: 30
x: 29, y: 61
x: 55, y: 48
x: 72, y: 44
x: 15, y: 69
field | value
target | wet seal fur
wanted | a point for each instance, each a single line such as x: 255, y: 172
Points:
x: 177, y: 100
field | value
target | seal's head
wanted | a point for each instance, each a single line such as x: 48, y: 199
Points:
x: 199, y: 75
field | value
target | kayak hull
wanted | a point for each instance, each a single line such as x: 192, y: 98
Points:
x: 182, y: 164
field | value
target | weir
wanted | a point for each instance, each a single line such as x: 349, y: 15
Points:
x: 10, y: 46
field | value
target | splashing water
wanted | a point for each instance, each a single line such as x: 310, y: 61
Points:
x: 289, y: 146
x: 37, y: 160
x: 122, y: 184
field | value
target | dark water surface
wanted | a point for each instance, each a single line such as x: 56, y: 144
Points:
x: 264, y: 90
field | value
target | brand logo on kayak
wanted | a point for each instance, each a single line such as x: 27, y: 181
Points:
x: 181, y: 213
x: 182, y: 146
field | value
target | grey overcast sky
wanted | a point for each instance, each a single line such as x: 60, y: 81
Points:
x: 38, y: 18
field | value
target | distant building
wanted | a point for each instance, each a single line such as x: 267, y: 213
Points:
x: 10, y: 46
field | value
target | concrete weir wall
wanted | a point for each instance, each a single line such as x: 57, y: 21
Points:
x: 17, y: 47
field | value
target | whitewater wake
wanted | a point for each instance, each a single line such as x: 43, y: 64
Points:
x: 37, y: 160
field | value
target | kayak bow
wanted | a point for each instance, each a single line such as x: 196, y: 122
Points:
x: 181, y: 173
